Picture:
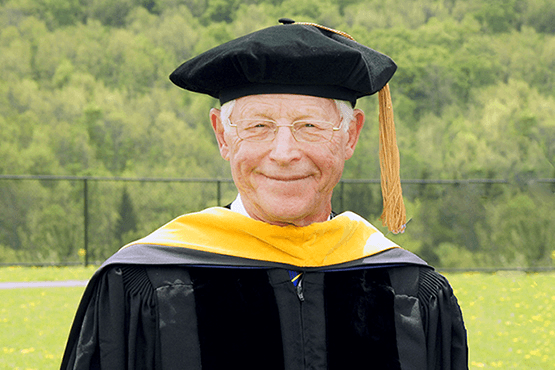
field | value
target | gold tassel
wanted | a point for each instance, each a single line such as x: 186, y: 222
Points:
x: 394, y: 213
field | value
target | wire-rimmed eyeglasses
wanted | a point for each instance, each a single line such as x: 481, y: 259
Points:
x: 308, y: 131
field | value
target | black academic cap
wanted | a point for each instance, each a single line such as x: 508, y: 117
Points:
x: 292, y: 58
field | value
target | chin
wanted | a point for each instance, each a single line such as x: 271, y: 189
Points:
x: 287, y: 211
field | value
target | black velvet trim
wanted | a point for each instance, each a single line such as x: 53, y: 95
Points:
x: 238, y: 320
x: 322, y: 91
x: 360, y: 320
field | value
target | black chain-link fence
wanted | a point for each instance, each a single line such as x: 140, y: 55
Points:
x: 456, y: 224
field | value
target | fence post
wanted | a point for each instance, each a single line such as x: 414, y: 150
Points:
x: 86, y: 220
x: 219, y: 191
x: 341, y: 187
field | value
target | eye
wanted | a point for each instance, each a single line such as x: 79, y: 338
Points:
x: 309, y: 126
x: 256, y: 125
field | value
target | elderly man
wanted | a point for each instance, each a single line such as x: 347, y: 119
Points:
x: 276, y: 280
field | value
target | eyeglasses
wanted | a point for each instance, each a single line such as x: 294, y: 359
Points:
x: 308, y: 131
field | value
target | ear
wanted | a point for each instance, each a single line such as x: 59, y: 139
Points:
x: 219, y: 131
x: 355, y: 128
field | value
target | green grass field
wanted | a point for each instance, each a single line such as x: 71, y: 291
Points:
x: 510, y: 318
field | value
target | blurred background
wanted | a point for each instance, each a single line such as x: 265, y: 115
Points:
x: 98, y: 147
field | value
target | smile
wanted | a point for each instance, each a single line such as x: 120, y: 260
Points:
x: 287, y: 178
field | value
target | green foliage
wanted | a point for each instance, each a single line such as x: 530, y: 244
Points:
x: 85, y: 91
x: 524, y: 230
x: 540, y: 15
x: 59, y: 13
x: 500, y: 15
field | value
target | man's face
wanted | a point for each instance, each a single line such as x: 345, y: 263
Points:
x: 285, y: 181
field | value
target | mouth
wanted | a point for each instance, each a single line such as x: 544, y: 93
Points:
x: 286, y: 178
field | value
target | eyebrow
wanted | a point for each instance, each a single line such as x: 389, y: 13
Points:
x: 314, y: 113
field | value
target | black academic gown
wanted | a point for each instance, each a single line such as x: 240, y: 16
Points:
x: 152, y: 307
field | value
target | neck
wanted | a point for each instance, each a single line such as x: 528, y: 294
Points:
x: 238, y: 206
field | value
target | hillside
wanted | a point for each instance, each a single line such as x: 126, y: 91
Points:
x: 85, y: 91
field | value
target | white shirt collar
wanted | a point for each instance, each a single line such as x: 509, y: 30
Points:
x: 237, y: 206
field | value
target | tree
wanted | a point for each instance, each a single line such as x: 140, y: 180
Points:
x: 500, y: 15
x: 85, y: 91
x: 127, y: 219
x: 523, y: 232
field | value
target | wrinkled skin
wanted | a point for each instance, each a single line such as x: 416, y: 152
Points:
x: 286, y: 182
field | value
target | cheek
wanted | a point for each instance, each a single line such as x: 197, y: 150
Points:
x: 243, y: 159
x: 335, y: 154
x: 331, y: 166
x: 335, y: 170
x: 235, y: 148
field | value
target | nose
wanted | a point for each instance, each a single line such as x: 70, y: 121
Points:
x: 284, y: 146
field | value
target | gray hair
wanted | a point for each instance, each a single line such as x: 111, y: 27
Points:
x: 345, y: 109
x: 346, y: 113
x: 226, y: 110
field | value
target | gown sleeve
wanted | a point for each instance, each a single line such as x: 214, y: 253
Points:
x: 446, y: 339
x: 116, y: 316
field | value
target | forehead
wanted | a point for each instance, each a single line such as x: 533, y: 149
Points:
x: 286, y: 106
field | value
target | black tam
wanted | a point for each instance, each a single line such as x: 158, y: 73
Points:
x: 292, y: 58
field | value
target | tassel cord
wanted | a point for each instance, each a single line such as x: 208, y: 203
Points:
x: 394, y: 213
